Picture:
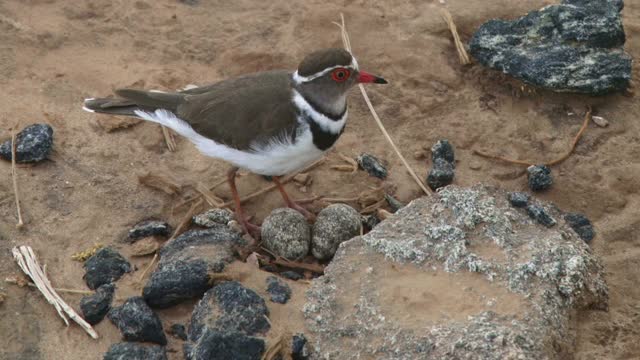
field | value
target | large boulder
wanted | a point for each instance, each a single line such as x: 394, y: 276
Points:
x: 462, y: 274
x: 575, y: 46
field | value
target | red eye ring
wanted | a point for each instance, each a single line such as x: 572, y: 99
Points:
x: 340, y: 74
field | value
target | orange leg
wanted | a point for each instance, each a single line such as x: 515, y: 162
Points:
x: 251, y: 229
x: 292, y: 204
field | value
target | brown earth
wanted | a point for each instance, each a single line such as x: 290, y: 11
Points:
x: 54, y: 53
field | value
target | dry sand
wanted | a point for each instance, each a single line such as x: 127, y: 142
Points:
x: 53, y: 53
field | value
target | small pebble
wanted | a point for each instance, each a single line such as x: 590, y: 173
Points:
x: 394, y: 204
x: 372, y: 165
x: 104, y: 267
x: 95, y: 307
x: 291, y: 275
x: 581, y: 225
x: 539, y: 177
x: 135, y: 351
x: 519, y: 199
x: 442, y: 149
x: 302, y: 178
x: 541, y: 215
x: 33, y: 144
x: 178, y: 331
x: 137, y: 322
x: 335, y: 224
x: 475, y: 165
x: 149, y: 228
x: 600, y: 121
x: 299, y: 348
x: 441, y: 174
x: 370, y: 221
x: 286, y: 233
x: 212, y: 217
x: 280, y: 292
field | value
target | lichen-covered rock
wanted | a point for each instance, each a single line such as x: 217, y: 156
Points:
x: 519, y: 199
x: 286, y: 233
x: 299, y: 347
x: 95, y: 307
x: 212, y: 217
x: 137, y: 322
x: 335, y: 224
x: 541, y: 215
x: 443, y: 149
x: 33, y: 144
x: 574, y: 46
x: 185, y: 264
x: 178, y: 331
x: 539, y: 177
x: 224, y: 324
x: 372, y: 165
x: 135, y: 351
x: 279, y: 290
x: 149, y: 228
x: 104, y: 267
x: 458, y: 275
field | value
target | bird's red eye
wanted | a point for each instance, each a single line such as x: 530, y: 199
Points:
x: 340, y: 75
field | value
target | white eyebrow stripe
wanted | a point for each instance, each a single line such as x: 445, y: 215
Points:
x: 302, y: 79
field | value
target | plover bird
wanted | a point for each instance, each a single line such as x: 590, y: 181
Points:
x: 271, y: 123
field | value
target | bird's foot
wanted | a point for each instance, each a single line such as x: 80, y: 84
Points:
x: 302, y: 210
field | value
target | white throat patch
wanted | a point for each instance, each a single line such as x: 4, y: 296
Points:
x: 325, y: 123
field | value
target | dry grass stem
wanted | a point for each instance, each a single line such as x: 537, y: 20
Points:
x: 209, y: 196
x: 148, y: 267
x: 316, y: 268
x: 169, y: 139
x: 347, y: 45
x: 574, y: 143
x: 186, y: 220
x: 160, y: 182
x: 274, y: 349
x: 69, y: 291
x: 14, y: 176
x: 27, y: 261
x: 373, y: 207
x: 462, y: 52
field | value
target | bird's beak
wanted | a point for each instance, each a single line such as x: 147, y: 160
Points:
x: 365, y: 77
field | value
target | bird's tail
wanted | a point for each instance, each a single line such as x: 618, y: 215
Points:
x: 130, y: 101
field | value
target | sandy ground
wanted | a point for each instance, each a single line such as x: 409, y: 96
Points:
x: 53, y: 53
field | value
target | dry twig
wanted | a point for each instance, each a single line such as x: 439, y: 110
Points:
x: 160, y: 182
x: 274, y: 349
x: 169, y: 139
x: 574, y: 143
x: 14, y: 176
x: 347, y: 45
x: 209, y: 196
x: 186, y: 220
x: 462, y: 52
x: 70, y: 291
x: 148, y: 267
x: 29, y: 264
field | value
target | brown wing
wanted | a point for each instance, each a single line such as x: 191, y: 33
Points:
x: 241, y: 111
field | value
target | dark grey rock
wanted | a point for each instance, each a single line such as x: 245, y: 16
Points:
x: 541, y: 215
x: 394, y: 204
x: 450, y: 247
x: 95, y: 307
x: 581, y: 225
x: 224, y: 324
x: 372, y: 165
x: 519, y: 199
x: 220, y: 345
x: 334, y: 225
x: 178, y: 331
x: 286, y: 233
x: 441, y: 174
x: 149, y: 228
x: 291, y: 275
x: 230, y: 307
x: 185, y: 264
x: 279, y: 290
x: 104, y: 267
x: 299, y: 348
x: 33, y: 144
x: 370, y: 221
x: 443, y: 149
x: 135, y: 351
x: 575, y: 46
x: 212, y: 217
x: 539, y: 177
x: 137, y: 322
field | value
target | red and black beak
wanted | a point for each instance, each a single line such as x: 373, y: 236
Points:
x: 365, y: 77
